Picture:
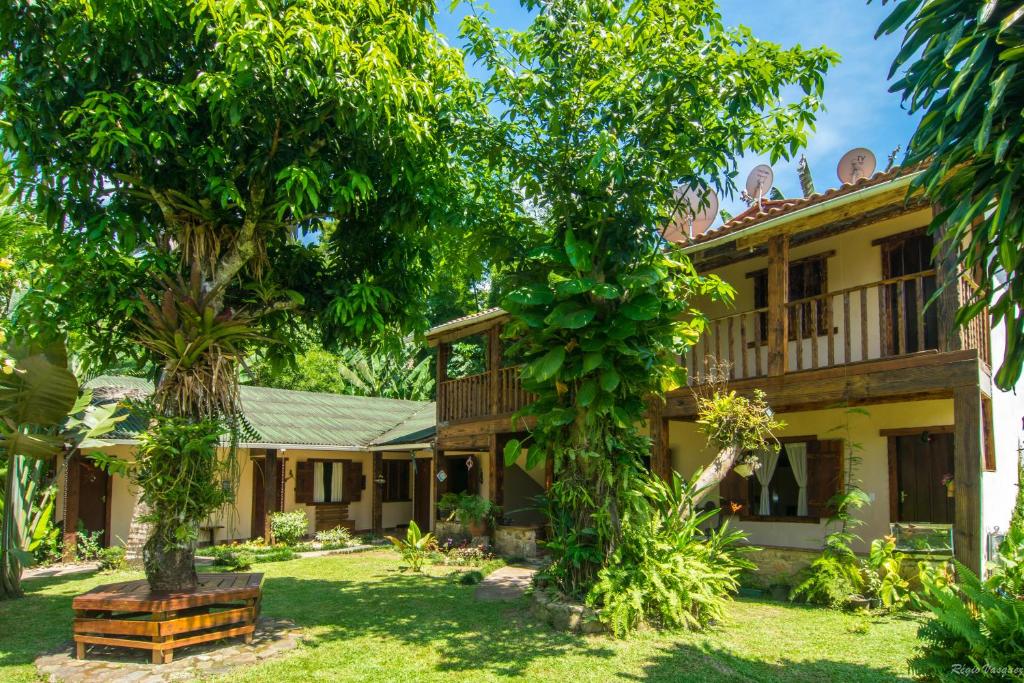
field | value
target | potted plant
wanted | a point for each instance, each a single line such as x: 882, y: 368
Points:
x: 474, y: 513
x: 950, y: 485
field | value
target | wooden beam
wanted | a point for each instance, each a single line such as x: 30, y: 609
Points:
x: 967, y: 465
x: 496, y: 449
x: 914, y: 431
x: 493, y: 367
x: 918, y: 376
x: 440, y: 487
x: 778, y: 296
x: 471, y: 329
x: 947, y: 267
x: 72, y: 489
x: 377, y: 495
x: 269, y: 489
x: 661, y: 456
x: 549, y: 472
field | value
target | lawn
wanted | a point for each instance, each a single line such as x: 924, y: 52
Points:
x: 366, y: 621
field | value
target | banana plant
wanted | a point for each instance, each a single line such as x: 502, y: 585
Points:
x: 41, y: 415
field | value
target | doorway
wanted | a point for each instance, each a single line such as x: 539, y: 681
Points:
x: 462, y: 477
x: 259, y: 512
x: 919, y: 465
x: 93, y: 500
x: 421, y: 493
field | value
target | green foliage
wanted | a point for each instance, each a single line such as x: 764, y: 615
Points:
x: 338, y: 537
x: 241, y: 556
x: 469, y: 508
x: 1017, y: 516
x: 415, y: 547
x: 731, y: 421
x: 113, y: 559
x: 471, y: 578
x: 957, y: 70
x: 666, y: 571
x: 976, y: 625
x: 832, y: 577
x: 882, y: 577
x: 88, y: 544
x: 606, y: 107
x: 288, y: 527
x: 156, y: 135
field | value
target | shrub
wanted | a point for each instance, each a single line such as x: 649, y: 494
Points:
x: 977, y: 625
x: 462, y: 554
x: 113, y: 559
x: 882, y: 575
x: 338, y: 537
x: 668, y: 572
x: 289, y: 527
x: 832, y: 577
x: 415, y: 547
x: 468, y: 508
x: 88, y: 544
x: 241, y: 556
x: 471, y: 578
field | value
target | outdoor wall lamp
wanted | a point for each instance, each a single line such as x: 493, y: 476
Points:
x: 379, y: 481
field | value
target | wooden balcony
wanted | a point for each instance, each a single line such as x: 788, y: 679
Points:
x: 884, y: 319
x: 486, y: 394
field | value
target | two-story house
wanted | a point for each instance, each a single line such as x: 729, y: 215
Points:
x: 834, y: 319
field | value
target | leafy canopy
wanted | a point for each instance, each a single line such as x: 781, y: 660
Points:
x: 231, y: 135
x: 958, y: 69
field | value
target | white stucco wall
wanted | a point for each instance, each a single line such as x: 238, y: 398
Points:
x: 999, y: 488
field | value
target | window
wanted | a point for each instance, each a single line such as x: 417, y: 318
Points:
x: 396, y: 481
x: 905, y: 256
x: 328, y: 482
x: 807, y: 278
x: 794, y: 484
x: 321, y: 482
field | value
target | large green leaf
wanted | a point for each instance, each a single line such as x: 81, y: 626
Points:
x: 37, y: 393
x: 547, y: 365
x: 643, y: 307
x: 571, y: 315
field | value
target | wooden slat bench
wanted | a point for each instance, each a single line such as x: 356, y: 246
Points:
x: 129, y: 615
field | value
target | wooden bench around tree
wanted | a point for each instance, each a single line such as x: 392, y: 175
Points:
x: 129, y: 615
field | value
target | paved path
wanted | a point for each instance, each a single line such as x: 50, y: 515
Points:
x: 59, y: 570
x: 507, y: 583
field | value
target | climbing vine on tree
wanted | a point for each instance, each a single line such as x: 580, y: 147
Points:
x: 607, y: 106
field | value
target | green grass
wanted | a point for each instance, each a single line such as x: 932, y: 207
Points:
x: 366, y: 621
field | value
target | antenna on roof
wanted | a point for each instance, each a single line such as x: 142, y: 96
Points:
x: 759, y: 182
x: 856, y: 164
x: 892, y: 158
x: 803, y: 171
x: 696, y: 213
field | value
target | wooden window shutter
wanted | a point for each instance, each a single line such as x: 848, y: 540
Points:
x: 735, y: 490
x: 304, y: 482
x: 824, y: 475
x: 353, y: 478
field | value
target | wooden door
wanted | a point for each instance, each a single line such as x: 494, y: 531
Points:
x: 920, y: 463
x: 259, y: 511
x: 93, y: 499
x: 421, y: 494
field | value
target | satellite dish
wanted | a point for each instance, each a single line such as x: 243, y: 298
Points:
x: 759, y: 182
x: 692, y: 218
x: 856, y: 164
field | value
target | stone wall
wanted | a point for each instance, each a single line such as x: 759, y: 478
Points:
x: 777, y: 566
x: 516, y: 541
x: 553, y: 609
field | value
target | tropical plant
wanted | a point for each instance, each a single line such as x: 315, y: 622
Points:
x: 41, y: 414
x: 415, y: 547
x: 976, y: 626
x: 833, y: 577
x: 338, y: 537
x: 289, y: 527
x: 957, y: 71
x: 666, y: 571
x: 1017, y: 516
x: 606, y: 108
x: 113, y: 559
x: 88, y: 544
x: 883, y: 576
x: 469, y: 509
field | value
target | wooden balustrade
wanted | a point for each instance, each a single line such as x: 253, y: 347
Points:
x: 495, y: 392
x: 879, y: 320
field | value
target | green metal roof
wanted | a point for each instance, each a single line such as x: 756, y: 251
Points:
x: 298, y: 418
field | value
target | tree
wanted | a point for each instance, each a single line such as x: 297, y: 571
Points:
x: 958, y: 70
x: 606, y: 107
x: 296, y: 156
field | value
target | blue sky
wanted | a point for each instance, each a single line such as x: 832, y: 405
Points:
x: 860, y: 110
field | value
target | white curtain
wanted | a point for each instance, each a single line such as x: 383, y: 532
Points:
x: 318, y: 482
x: 765, y: 471
x: 337, y: 470
x: 797, y: 453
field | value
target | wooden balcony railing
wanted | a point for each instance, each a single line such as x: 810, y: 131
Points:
x: 487, y: 394
x: 879, y: 320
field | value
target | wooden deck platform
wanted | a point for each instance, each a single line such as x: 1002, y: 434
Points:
x: 129, y: 615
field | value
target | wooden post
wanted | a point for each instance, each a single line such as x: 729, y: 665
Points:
x: 947, y: 281
x: 72, y: 487
x: 967, y: 465
x: 778, y: 296
x: 377, y: 498
x: 493, y: 367
x: 440, y: 488
x: 661, y: 457
x: 496, y: 446
x: 549, y: 472
x: 270, y: 486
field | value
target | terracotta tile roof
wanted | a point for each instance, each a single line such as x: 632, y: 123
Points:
x: 774, y: 208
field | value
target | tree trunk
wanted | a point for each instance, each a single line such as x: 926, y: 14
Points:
x: 715, y: 472
x: 170, y: 564
x: 10, y: 566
